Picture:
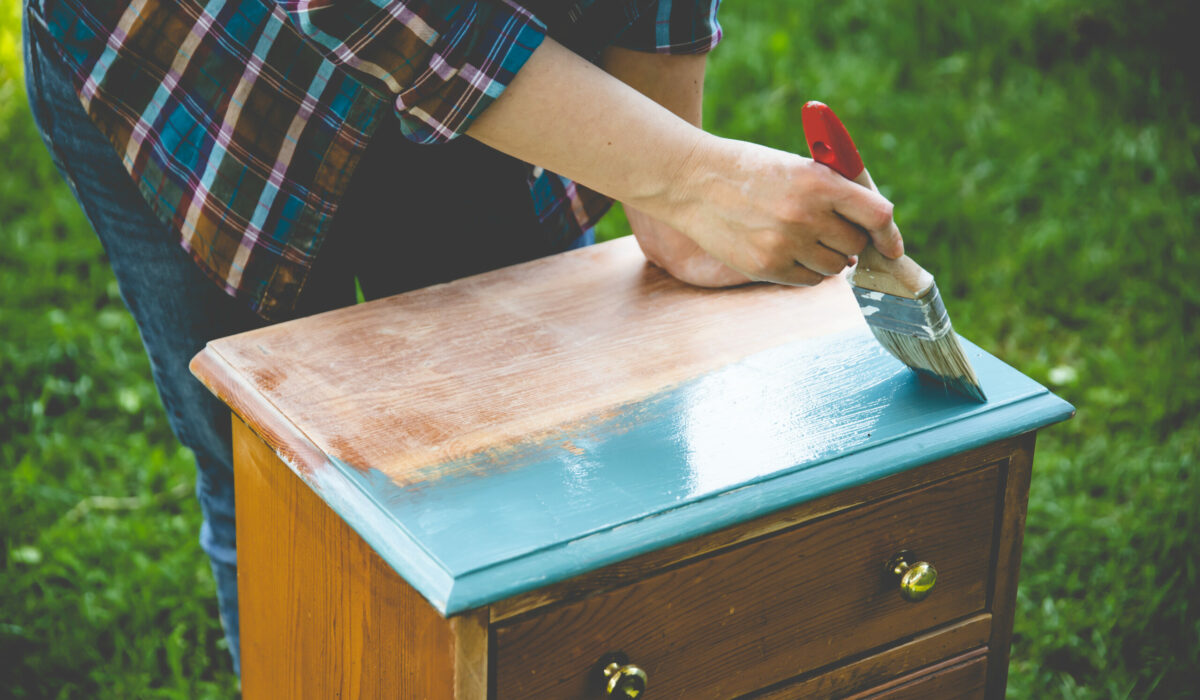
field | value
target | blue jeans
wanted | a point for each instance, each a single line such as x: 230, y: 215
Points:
x: 178, y: 310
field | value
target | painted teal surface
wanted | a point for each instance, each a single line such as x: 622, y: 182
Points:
x: 778, y: 428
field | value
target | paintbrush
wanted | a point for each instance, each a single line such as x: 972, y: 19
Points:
x: 898, y: 298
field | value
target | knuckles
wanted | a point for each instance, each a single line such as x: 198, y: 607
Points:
x: 882, y: 215
x: 848, y: 240
x: 805, y: 277
x: 773, y: 259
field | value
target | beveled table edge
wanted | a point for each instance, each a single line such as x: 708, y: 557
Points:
x: 450, y: 594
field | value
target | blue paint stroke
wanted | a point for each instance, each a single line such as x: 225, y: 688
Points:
x: 781, y: 427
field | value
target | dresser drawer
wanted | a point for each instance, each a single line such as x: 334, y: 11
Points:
x: 961, y: 678
x: 767, y: 610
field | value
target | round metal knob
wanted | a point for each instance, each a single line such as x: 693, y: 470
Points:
x: 621, y: 678
x: 916, y: 579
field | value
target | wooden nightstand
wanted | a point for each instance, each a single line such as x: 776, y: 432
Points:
x: 514, y: 484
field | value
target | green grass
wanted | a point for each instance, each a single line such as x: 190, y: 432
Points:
x: 1043, y: 160
x: 104, y: 590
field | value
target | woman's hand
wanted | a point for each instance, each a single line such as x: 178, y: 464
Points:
x: 775, y: 216
x: 679, y: 255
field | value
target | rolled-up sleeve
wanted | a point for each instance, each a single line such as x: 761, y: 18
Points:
x: 442, y: 61
x: 674, y: 27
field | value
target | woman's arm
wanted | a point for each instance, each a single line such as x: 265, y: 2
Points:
x: 677, y: 83
x: 767, y: 214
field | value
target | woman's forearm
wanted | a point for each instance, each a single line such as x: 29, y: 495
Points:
x: 570, y: 117
x: 675, y: 82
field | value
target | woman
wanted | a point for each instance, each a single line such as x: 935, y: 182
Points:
x: 245, y: 161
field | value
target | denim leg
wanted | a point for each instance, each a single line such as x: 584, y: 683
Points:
x: 177, y: 309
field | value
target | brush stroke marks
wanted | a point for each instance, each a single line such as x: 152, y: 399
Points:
x: 778, y: 428
x: 439, y: 373
x: 516, y: 428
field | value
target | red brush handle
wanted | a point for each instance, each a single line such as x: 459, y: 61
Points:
x: 829, y: 141
x: 832, y: 146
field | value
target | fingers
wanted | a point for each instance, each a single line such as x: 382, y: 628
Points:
x: 803, y: 223
x: 789, y: 257
x: 824, y: 260
x: 843, y: 236
x: 873, y: 213
x: 796, y: 275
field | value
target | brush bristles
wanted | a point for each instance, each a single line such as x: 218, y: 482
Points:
x: 942, y: 359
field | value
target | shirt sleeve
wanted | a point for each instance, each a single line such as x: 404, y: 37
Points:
x: 442, y: 61
x: 674, y: 27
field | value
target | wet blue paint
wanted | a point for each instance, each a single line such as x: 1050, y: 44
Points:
x: 781, y: 427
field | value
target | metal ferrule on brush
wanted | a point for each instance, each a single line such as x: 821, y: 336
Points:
x: 924, y: 317
x: 912, y: 323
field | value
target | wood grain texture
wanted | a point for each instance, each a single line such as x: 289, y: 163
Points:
x: 1011, y: 535
x: 877, y: 669
x: 658, y: 412
x: 322, y: 615
x: 706, y: 480
x: 639, y: 567
x: 438, y: 373
x: 470, y: 632
x: 279, y: 433
x: 784, y: 426
x: 961, y: 678
x: 763, y: 612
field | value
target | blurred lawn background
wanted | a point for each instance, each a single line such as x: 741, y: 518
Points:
x: 1043, y: 157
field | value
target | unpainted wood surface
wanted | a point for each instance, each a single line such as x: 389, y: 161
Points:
x: 280, y: 434
x: 438, y: 373
x: 763, y: 612
x: 322, y: 616
x: 877, y: 669
x: 961, y: 678
x: 635, y: 568
x: 470, y: 631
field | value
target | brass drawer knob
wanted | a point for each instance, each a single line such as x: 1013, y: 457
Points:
x: 916, y: 579
x: 621, y: 679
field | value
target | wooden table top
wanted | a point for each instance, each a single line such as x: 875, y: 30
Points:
x: 509, y: 430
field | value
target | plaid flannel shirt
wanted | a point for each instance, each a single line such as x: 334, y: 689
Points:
x: 241, y: 121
